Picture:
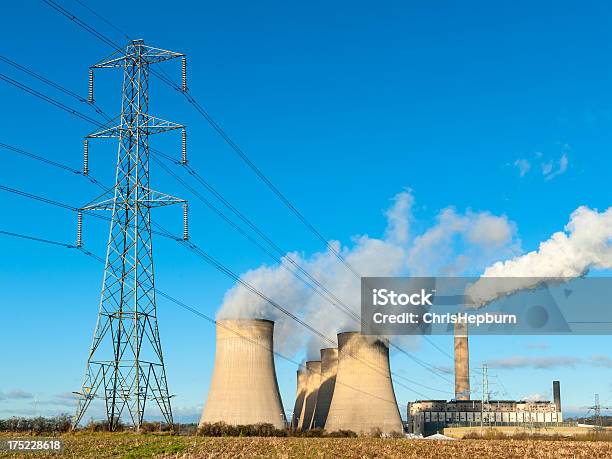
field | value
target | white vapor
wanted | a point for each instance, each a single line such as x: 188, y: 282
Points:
x: 585, y: 243
x: 458, y: 242
x: 480, y: 235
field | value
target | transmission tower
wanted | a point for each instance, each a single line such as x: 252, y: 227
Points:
x: 125, y: 365
x: 597, y: 419
x: 484, y: 403
x: 597, y: 411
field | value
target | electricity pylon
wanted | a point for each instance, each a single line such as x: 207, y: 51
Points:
x: 596, y: 408
x: 125, y: 365
x: 484, y: 403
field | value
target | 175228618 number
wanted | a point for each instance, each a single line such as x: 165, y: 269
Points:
x: 38, y: 444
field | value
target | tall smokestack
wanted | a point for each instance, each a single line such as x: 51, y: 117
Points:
x: 462, y: 363
x: 329, y: 369
x: 299, y: 397
x: 557, y: 394
x: 313, y: 380
x: 244, y: 389
x: 363, y: 398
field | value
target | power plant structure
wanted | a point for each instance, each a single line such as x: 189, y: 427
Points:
x: 363, y: 398
x: 329, y: 371
x: 462, y: 363
x: 300, y: 394
x: 244, y: 389
x: 350, y: 388
x: 557, y: 395
x: 427, y: 417
x: 313, y: 381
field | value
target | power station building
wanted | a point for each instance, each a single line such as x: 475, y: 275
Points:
x: 430, y: 416
x: 350, y: 388
x: 427, y: 417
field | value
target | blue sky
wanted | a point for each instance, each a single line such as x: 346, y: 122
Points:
x: 343, y: 106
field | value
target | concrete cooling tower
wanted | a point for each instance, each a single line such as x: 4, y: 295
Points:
x: 244, y: 389
x: 313, y: 380
x: 329, y: 369
x: 363, y: 398
x: 300, y: 393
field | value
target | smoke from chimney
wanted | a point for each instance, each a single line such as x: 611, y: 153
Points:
x: 585, y: 243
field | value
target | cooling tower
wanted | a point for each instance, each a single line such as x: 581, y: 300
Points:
x: 313, y: 380
x: 462, y: 363
x: 329, y: 369
x: 299, y: 398
x: 244, y: 389
x: 363, y: 397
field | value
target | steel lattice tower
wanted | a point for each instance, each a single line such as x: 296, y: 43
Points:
x: 125, y: 365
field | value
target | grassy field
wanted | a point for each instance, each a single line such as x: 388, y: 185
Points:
x: 126, y: 445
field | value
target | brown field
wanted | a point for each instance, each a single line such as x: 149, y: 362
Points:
x: 513, y: 431
x: 127, y: 445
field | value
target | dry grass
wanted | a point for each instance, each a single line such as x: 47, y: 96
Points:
x: 126, y: 445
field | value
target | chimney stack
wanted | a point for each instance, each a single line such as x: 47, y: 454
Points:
x: 557, y: 395
x: 462, y: 363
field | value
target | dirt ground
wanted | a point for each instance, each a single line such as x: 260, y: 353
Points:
x: 129, y: 445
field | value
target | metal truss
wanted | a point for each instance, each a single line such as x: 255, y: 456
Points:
x: 125, y: 365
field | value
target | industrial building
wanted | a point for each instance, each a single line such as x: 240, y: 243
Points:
x: 427, y: 417
x: 430, y: 416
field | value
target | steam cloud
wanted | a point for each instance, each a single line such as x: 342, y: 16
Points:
x: 456, y: 242
x: 585, y: 243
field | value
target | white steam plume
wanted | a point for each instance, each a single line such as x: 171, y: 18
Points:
x: 484, y: 236
x: 585, y: 243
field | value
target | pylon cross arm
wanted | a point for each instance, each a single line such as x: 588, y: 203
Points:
x: 148, y: 54
x: 148, y: 198
x: 149, y: 124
